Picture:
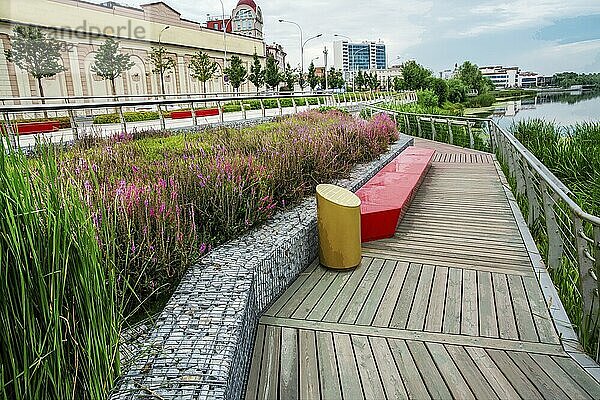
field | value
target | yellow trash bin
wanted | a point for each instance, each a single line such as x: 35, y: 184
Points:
x: 338, y: 215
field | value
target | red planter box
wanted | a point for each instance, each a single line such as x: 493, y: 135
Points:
x: 25, y: 128
x: 199, y: 113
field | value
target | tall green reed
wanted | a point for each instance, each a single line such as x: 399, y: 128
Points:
x: 59, y: 322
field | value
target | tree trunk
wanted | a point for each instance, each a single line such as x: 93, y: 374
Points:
x: 204, y: 87
x: 162, y: 83
x: 113, y: 87
x: 41, y: 90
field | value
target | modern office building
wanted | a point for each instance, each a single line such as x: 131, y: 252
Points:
x: 513, y: 77
x: 350, y: 57
x: 82, y: 27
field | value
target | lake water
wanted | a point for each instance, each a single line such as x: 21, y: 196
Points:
x: 564, y: 109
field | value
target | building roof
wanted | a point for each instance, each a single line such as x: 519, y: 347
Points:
x: 249, y: 3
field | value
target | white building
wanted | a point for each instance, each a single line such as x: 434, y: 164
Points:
x: 502, y: 77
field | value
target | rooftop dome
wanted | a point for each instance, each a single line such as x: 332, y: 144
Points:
x: 249, y: 3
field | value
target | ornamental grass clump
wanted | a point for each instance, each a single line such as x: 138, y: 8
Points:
x: 170, y: 198
x: 58, y: 315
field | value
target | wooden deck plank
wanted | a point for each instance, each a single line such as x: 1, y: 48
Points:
x: 388, y: 302
x: 543, y: 322
x: 507, y: 327
x: 288, y: 377
x: 492, y: 373
x: 435, y: 313
x: 287, y: 294
x: 269, y: 381
x: 579, y: 375
x: 357, y: 301
x: 453, y: 377
x: 405, y: 300
x: 349, y: 379
x: 307, y: 286
x: 373, y: 301
x: 329, y: 378
x: 562, y: 379
x: 313, y: 297
x: 339, y: 305
x: 453, y: 307
x: 309, y: 371
x: 431, y: 376
x: 367, y: 369
x: 523, y: 316
x: 418, y: 312
x: 516, y: 377
x: 405, y: 363
x: 545, y: 385
x: 336, y: 287
x: 254, y: 377
x: 488, y: 323
x: 390, y: 377
x: 470, y: 309
x: 477, y: 382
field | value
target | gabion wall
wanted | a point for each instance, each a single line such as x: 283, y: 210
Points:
x: 202, y: 343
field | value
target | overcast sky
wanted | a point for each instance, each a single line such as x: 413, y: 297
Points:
x: 541, y: 35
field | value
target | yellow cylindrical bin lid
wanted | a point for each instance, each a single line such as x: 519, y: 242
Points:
x: 338, y: 216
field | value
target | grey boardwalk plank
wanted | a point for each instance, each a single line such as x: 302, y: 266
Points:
x: 288, y: 376
x: 450, y: 307
x: 329, y: 377
x: 309, y: 371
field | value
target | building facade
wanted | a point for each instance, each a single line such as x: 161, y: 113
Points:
x: 82, y: 27
x: 246, y: 19
x: 359, y: 56
x: 276, y: 50
x: 514, y: 77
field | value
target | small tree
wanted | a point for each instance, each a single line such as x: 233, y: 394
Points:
x: 312, y: 78
x: 359, y: 81
x: 236, y: 72
x: 372, y: 81
x: 257, y: 73
x: 35, y: 53
x: 415, y: 75
x: 272, y: 73
x: 440, y: 88
x: 203, y: 68
x: 162, y: 63
x: 398, y: 84
x: 457, y: 91
x: 109, y: 63
x: 289, y: 77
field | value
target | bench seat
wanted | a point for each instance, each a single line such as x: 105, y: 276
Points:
x: 386, y: 197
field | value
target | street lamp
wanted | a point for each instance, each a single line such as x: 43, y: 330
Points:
x: 160, y: 53
x: 224, y: 42
x: 302, y: 41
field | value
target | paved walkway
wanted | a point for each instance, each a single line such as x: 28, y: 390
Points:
x: 448, y: 308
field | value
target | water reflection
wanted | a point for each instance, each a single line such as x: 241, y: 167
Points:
x: 565, y: 108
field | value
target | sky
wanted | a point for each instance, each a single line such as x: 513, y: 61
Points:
x: 544, y: 36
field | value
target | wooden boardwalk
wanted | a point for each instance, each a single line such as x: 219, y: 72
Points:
x: 448, y: 308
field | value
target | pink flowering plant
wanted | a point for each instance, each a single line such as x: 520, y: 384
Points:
x: 168, y: 199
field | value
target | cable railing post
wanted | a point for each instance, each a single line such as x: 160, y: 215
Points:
x: 555, y: 241
x: 279, y: 106
x: 161, y: 117
x: 74, y: 127
x: 243, y: 109
x: 432, y: 129
x: 262, y: 108
x: 221, y: 111
x: 122, y: 120
x: 471, y: 139
x: 194, y: 116
x: 419, y: 127
x: 587, y: 275
x: 407, y: 124
x: 318, y: 102
x: 295, y: 105
x: 450, y: 133
x: 533, y: 205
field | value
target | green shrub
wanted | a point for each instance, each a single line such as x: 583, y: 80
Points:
x: 483, y: 100
x: 427, y: 98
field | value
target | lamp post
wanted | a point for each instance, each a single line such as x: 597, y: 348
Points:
x: 302, y: 41
x: 224, y: 42
x: 160, y: 49
x: 325, y: 53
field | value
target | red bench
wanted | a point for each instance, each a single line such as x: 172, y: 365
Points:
x: 386, y: 197
x: 25, y: 128
x: 199, y: 113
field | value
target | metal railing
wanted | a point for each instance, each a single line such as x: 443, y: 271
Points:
x: 567, y: 236
x: 80, y: 115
